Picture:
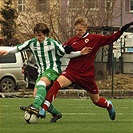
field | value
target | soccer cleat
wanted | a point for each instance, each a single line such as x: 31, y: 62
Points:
x: 31, y: 109
x: 42, y: 113
x: 55, y: 117
x: 24, y: 108
x: 111, y: 112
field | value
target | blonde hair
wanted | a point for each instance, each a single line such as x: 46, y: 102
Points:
x: 82, y: 21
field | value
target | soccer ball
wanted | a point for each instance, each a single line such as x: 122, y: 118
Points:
x: 30, y: 118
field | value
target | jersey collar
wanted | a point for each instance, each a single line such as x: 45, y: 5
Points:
x: 85, y: 35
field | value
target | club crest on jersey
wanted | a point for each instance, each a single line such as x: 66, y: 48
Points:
x: 86, y: 40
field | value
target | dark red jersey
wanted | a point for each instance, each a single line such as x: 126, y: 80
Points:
x: 85, y: 64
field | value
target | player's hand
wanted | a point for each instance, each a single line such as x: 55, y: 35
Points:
x: 126, y: 26
x: 3, y: 52
x: 86, y: 50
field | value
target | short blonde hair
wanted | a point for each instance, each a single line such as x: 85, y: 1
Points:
x: 82, y: 21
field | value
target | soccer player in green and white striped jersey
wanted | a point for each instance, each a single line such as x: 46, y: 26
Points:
x: 47, y: 53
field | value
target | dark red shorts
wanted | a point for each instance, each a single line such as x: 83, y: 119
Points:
x: 83, y: 80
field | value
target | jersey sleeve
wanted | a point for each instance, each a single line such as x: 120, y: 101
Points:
x: 25, y: 45
x: 105, y: 40
x: 59, y: 48
x: 73, y: 54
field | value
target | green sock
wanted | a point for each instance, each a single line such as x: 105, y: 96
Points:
x: 40, y: 96
x: 53, y: 110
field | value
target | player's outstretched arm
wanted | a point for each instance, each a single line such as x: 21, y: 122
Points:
x: 126, y: 26
x: 84, y: 51
x: 12, y: 51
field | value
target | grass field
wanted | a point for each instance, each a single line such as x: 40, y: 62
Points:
x: 79, y: 116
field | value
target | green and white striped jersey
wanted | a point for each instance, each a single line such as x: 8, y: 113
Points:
x: 47, y: 53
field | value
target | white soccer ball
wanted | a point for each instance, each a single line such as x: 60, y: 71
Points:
x: 30, y: 118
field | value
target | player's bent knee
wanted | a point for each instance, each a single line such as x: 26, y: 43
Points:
x: 41, y: 83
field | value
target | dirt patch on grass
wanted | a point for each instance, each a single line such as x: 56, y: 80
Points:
x: 120, y: 82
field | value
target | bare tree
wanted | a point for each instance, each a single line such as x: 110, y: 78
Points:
x: 100, y: 13
x: 60, y: 16
x: 27, y: 20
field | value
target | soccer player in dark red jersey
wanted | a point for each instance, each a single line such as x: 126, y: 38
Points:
x: 80, y: 70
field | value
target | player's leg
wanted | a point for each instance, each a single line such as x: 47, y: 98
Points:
x: 39, y: 98
x: 56, y: 114
x: 43, y: 82
x: 41, y: 91
x: 61, y: 82
x: 49, y: 76
x: 90, y: 85
x: 102, y: 102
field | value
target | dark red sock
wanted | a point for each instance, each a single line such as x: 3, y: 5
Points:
x: 52, y: 92
x: 103, y: 103
x: 45, y: 106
